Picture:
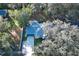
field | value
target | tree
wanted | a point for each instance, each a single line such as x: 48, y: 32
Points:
x: 62, y: 40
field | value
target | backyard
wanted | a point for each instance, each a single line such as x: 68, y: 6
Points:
x: 49, y: 29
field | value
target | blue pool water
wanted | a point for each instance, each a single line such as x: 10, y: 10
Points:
x: 33, y: 31
x: 30, y: 41
x: 27, y: 46
x: 3, y: 12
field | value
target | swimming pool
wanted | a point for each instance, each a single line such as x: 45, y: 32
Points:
x: 32, y: 31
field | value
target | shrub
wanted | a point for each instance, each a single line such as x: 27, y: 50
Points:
x: 62, y: 40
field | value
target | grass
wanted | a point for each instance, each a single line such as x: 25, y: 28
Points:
x: 37, y: 41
